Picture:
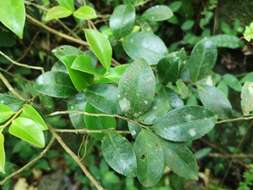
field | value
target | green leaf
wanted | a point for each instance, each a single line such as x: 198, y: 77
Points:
x: 103, y: 97
x: 145, y: 45
x: 176, y: 5
x: 187, y: 25
x: 226, y: 41
x: 77, y: 103
x: 5, y: 113
x: 248, y: 33
x: 213, y: 99
x: 185, y: 124
x: 202, y: 60
x: 85, y: 13
x: 69, y: 4
x: 122, y: 20
x: 57, y: 12
x: 150, y: 158
x: 119, y: 154
x: 100, y: 46
x: 14, y: 103
x: 2, y: 154
x: 55, y: 84
x: 29, y: 112
x: 180, y: 160
x: 232, y: 82
x: 28, y: 130
x: 12, y: 15
x: 137, y: 89
x: 247, y: 98
x: 158, y: 13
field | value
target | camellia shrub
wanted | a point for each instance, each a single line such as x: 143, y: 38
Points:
x: 121, y: 85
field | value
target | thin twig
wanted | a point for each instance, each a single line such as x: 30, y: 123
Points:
x: 21, y: 64
x: 11, y: 119
x: 87, y: 131
x: 244, y: 118
x: 33, y: 161
x: 76, y: 159
x: 234, y: 156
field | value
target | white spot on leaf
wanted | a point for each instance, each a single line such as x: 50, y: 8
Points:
x: 192, y: 132
x: 124, y: 105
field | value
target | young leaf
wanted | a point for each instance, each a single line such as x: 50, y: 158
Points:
x: 214, y: 100
x: 232, y: 82
x: 100, y: 46
x: 202, y: 60
x: 31, y: 113
x: 226, y: 41
x: 158, y: 13
x: 28, y: 130
x: 248, y: 33
x: 145, y: 45
x: 55, y: 84
x: 150, y: 158
x: 247, y: 98
x: 122, y: 20
x: 57, y: 12
x: 85, y: 13
x: 137, y: 89
x: 103, y: 97
x: 12, y: 15
x: 119, y: 154
x: 5, y: 113
x: 69, y: 4
x: 2, y: 154
x: 180, y: 160
x: 185, y: 124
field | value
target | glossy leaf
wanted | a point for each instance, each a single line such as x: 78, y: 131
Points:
x: 145, y: 45
x: 29, y: 112
x: 185, y: 124
x: 28, y: 130
x: 232, y: 82
x: 85, y: 13
x: 57, y: 12
x: 202, y: 60
x: 55, y: 84
x: 119, y: 154
x: 2, y: 154
x: 180, y: 160
x: 122, y: 20
x: 158, y: 13
x: 136, y: 89
x: 100, y: 46
x: 226, y: 41
x: 14, y: 103
x: 69, y: 4
x: 150, y: 158
x: 103, y: 97
x: 247, y: 98
x: 213, y: 99
x: 12, y: 15
x: 5, y: 113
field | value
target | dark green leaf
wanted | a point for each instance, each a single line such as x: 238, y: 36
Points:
x: 11, y: 101
x: 150, y: 158
x: 226, y: 41
x: 158, y: 13
x: 137, y: 88
x: 27, y: 130
x: 85, y: 13
x: 119, y: 154
x: 232, y: 82
x: 2, y: 154
x: 55, y: 84
x: 5, y: 113
x: 185, y: 124
x: 247, y: 98
x: 145, y: 45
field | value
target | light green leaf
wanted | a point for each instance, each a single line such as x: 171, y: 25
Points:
x: 150, y: 158
x: 136, y: 89
x: 158, y: 13
x: 55, y: 84
x: 119, y: 154
x: 100, y: 46
x: 29, y: 112
x: 85, y: 13
x: 145, y: 45
x: 232, y: 82
x: 202, y: 60
x: 122, y: 20
x: 247, y: 98
x: 180, y: 160
x: 226, y: 41
x: 57, y: 12
x: 2, y: 154
x: 103, y: 97
x: 247, y: 77
x: 185, y: 124
x: 69, y: 4
x: 213, y: 99
x: 28, y: 130
x: 12, y: 15
x: 5, y: 113
x: 248, y: 33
